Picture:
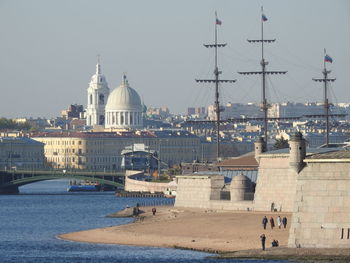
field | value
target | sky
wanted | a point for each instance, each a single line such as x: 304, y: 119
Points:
x: 49, y: 49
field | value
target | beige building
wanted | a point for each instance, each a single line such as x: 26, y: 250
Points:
x: 102, y: 150
x: 21, y: 153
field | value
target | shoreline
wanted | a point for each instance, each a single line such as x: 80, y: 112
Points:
x: 191, y: 228
x: 228, y: 234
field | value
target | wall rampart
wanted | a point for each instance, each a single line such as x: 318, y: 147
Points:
x: 132, y: 185
x: 321, y: 213
x: 197, y: 190
x: 275, y: 188
x: 231, y: 206
x: 204, y: 192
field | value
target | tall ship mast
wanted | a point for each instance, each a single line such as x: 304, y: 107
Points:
x: 264, y: 104
x: 216, y: 80
x: 325, y: 81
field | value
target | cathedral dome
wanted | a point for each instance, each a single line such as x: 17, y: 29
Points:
x: 124, y: 108
x: 124, y: 98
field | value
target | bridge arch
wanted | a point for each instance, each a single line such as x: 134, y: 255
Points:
x: 11, y: 180
x: 29, y: 180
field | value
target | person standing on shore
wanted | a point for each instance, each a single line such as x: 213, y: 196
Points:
x: 263, y: 239
x: 264, y: 222
x: 279, y: 222
x: 272, y: 222
x: 154, y: 210
x: 284, y: 221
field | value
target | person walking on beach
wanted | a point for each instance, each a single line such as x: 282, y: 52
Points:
x: 272, y: 222
x: 264, y: 222
x: 284, y: 221
x: 263, y: 239
x: 279, y: 222
x: 154, y: 210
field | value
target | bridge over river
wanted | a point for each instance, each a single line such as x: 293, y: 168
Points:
x: 10, y: 180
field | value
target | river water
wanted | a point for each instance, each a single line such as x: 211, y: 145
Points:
x: 30, y: 221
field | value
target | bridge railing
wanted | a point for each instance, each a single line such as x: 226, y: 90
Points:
x: 53, y: 171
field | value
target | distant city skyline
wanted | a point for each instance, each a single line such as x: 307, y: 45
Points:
x: 49, y: 51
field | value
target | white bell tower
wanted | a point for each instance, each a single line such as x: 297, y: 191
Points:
x: 98, y: 93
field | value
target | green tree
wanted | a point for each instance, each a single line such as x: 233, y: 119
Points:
x: 281, y: 143
x: 12, y: 125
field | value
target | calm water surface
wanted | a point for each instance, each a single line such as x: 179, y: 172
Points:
x: 30, y: 221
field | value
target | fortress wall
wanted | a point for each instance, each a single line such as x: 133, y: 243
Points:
x: 228, y: 205
x: 204, y: 192
x: 132, y: 172
x: 275, y: 184
x: 198, y: 190
x: 142, y: 186
x: 322, y: 206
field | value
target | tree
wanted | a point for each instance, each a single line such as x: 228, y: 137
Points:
x: 281, y: 143
x: 12, y: 125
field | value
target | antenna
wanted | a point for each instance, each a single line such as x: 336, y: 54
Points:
x: 264, y: 104
x: 216, y: 45
x: 325, y: 80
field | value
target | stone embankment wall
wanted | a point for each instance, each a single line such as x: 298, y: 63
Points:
x: 203, y: 191
x: 275, y: 184
x: 132, y: 185
x: 321, y: 216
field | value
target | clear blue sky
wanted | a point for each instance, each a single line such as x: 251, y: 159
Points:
x: 49, y: 50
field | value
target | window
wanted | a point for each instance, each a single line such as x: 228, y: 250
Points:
x: 90, y: 98
x: 102, y: 120
x: 343, y: 231
x: 101, y: 99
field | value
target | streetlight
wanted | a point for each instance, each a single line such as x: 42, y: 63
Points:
x: 159, y: 156
x: 159, y: 144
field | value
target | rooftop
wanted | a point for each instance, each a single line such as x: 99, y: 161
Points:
x: 18, y: 140
x: 244, y: 162
x: 339, y: 154
x: 124, y: 134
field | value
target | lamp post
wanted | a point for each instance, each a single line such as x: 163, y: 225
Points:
x: 159, y: 156
x: 202, y: 153
x: 132, y: 157
x: 10, y: 154
x: 159, y: 146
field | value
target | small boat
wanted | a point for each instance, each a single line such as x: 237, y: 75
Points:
x: 84, y: 187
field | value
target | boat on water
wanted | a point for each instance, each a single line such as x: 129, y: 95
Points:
x: 83, y: 186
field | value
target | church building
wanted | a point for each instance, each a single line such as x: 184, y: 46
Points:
x: 120, y: 109
x: 98, y: 92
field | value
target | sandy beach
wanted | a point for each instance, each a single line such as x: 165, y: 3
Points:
x: 231, y: 234
x: 199, y: 229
